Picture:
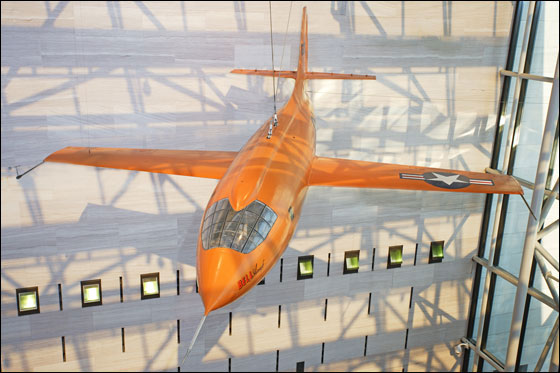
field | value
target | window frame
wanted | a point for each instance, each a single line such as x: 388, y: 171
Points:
x: 91, y: 282
x: 19, y: 291
x: 149, y: 275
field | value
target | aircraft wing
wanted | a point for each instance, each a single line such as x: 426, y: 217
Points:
x: 361, y: 174
x: 200, y: 163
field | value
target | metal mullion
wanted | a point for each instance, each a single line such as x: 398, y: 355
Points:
x: 553, y: 367
x: 488, y: 289
x: 512, y: 279
x: 546, y: 230
x: 531, y: 26
x: 496, y: 363
x: 536, y: 207
x: 545, y: 271
x: 476, y: 280
x: 515, y: 23
x: 525, y: 316
x: 548, y: 204
x: 546, y: 347
x: 526, y: 76
x: 540, y: 248
x: 553, y: 158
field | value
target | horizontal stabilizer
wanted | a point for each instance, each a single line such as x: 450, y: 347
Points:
x: 308, y: 75
x: 199, y: 163
x: 361, y: 174
x: 276, y: 73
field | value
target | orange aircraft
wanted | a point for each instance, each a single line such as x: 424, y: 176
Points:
x: 256, y: 205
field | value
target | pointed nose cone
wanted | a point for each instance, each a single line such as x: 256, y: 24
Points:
x: 217, y: 277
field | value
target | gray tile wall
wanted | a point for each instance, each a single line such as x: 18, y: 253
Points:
x: 156, y: 75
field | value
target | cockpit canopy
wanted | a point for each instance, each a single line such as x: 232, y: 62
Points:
x: 241, y: 230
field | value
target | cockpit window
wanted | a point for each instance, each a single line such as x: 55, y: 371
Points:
x: 241, y: 230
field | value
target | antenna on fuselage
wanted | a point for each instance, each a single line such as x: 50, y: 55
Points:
x: 273, y: 77
x: 193, y: 339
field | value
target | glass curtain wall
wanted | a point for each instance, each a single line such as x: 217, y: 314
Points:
x: 523, y: 110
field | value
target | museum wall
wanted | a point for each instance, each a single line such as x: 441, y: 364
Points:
x: 156, y: 75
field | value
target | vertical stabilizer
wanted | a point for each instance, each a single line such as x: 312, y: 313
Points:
x: 302, y: 63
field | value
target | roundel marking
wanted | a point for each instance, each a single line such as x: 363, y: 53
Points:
x: 446, y: 180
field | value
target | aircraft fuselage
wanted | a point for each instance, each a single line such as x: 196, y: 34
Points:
x: 271, y: 171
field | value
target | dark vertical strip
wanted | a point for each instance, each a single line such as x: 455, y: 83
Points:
x: 178, y: 331
x: 365, y: 346
x: 279, y: 313
x: 122, y: 339
x: 525, y: 315
x: 277, y: 359
x: 410, y: 302
x: 63, y: 349
x: 322, y: 352
x: 373, y: 259
x: 369, y: 304
x: 229, y: 365
x: 281, y: 267
x: 522, y: 96
x: 328, y: 264
x: 514, y: 32
x: 121, y: 287
x: 178, y: 369
x: 513, y: 38
x: 505, y: 203
x: 230, y: 316
x: 177, y: 282
x: 415, y: 254
x: 406, y: 339
x: 196, y: 285
x: 60, y: 296
x: 548, y: 184
x: 326, y: 301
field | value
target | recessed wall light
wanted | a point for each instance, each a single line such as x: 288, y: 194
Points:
x: 351, y: 261
x: 305, y: 267
x: 149, y: 285
x: 394, y: 260
x: 27, y: 300
x: 91, y: 293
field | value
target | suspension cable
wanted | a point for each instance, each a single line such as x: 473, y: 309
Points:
x: 273, y: 78
x: 284, y: 44
x: 272, y: 54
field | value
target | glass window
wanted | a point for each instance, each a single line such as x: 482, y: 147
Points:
x: 540, y: 322
x: 254, y: 240
x: 27, y: 300
x: 500, y: 319
x: 305, y: 267
x: 225, y: 227
x: 262, y: 227
x: 351, y: 261
x: 436, y: 252
x: 256, y: 207
x: 149, y: 285
x: 394, y: 260
x: 269, y: 216
x: 91, y: 293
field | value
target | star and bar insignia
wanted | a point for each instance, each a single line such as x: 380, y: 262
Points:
x: 446, y: 180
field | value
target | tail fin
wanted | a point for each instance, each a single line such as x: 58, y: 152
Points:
x: 302, y: 73
x: 302, y: 63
